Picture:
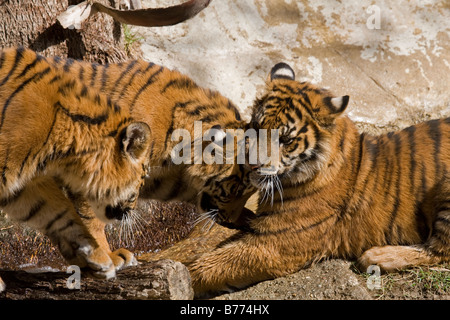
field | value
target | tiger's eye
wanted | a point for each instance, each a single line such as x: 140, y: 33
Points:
x: 286, y: 140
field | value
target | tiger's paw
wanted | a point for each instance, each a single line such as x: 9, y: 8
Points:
x: 393, y: 258
x: 122, y: 258
x: 98, y: 262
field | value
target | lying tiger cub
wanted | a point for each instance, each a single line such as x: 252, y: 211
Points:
x: 383, y: 200
x: 59, y: 149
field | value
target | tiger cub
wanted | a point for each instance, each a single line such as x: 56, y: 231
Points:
x: 169, y: 102
x: 384, y: 200
x: 59, y: 151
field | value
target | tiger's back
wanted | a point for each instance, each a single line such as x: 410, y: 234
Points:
x: 165, y: 99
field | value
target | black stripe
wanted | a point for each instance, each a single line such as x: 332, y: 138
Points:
x: 69, y: 224
x: 94, y: 73
x: 198, y: 110
x: 287, y: 89
x: 436, y: 134
x: 395, y: 209
x: 68, y: 64
x: 66, y: 87
x: 104, y: 79
x: 9, y: 200
x: 289, y: 117
x: 34, y: 78
x: 84, y: 91
x: 233, y: 108
x: 412, y: 159
x: 124, y: 73
x: 56, y: 218
x: 81, y: 73
x: 305, y: 97
x: 180, y: 83
x: 55, y: 78
x: 424, y: 185
x: 34, y: 210
x: 130, y: 81
x: 2, y: 59
x: 57, y: 60
x: 150, y: 80
x: 81, y: 117
x: 360, y: 154
x: 303, y: 129
x: 23, y: 162
x: 444, y: 220
x: 170, y: 129
x: 298, y: 113
x: 30, y: 66
x: 306, y: 143
x: 5, y: 167
x: 18, y: 58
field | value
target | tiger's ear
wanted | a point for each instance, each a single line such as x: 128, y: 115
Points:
x: 331, y: 108
x: 336, y: 105
x: 136, y: 140
x: 282, y: 71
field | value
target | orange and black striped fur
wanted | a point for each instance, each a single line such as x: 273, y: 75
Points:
x: 165, y: 100
x: 59, y: 150
x: 384, y: 200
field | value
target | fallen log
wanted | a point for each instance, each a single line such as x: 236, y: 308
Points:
x: 159, y: 280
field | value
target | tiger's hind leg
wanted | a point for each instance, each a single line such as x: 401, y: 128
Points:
x: 42, y: 205
x: 435, y: 250
x: 395, y: 258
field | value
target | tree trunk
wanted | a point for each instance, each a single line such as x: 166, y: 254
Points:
x: 164, y: 279
x: 33, y: 24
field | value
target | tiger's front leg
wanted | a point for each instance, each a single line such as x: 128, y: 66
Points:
x: 238, y: 264
x: 121, y: 257
x: 44, y: 206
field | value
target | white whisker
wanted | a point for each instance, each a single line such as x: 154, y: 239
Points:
x: 266, y: 184
x: 209, y: 217
x: 131, y: 223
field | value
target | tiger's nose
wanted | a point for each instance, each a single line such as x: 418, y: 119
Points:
x: 116, y: 213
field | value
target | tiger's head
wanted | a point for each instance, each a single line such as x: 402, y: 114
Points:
x: 304, y: 117
x: 224, y: 185
x: 114, y: 188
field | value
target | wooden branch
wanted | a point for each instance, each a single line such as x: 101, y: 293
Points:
x: 152, y: 17
x: 163, y: 279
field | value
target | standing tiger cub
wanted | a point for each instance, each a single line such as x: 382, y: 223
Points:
x: 60, y: 151
x: 383, y: 200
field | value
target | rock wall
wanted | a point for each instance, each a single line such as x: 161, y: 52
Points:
x: 392, y: 58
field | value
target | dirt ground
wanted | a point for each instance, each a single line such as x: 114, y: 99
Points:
x: 334, y: 279
x: 339, y: 280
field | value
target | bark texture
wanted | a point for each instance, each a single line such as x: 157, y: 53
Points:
x: 160, y: 280
x: 33, y: 24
